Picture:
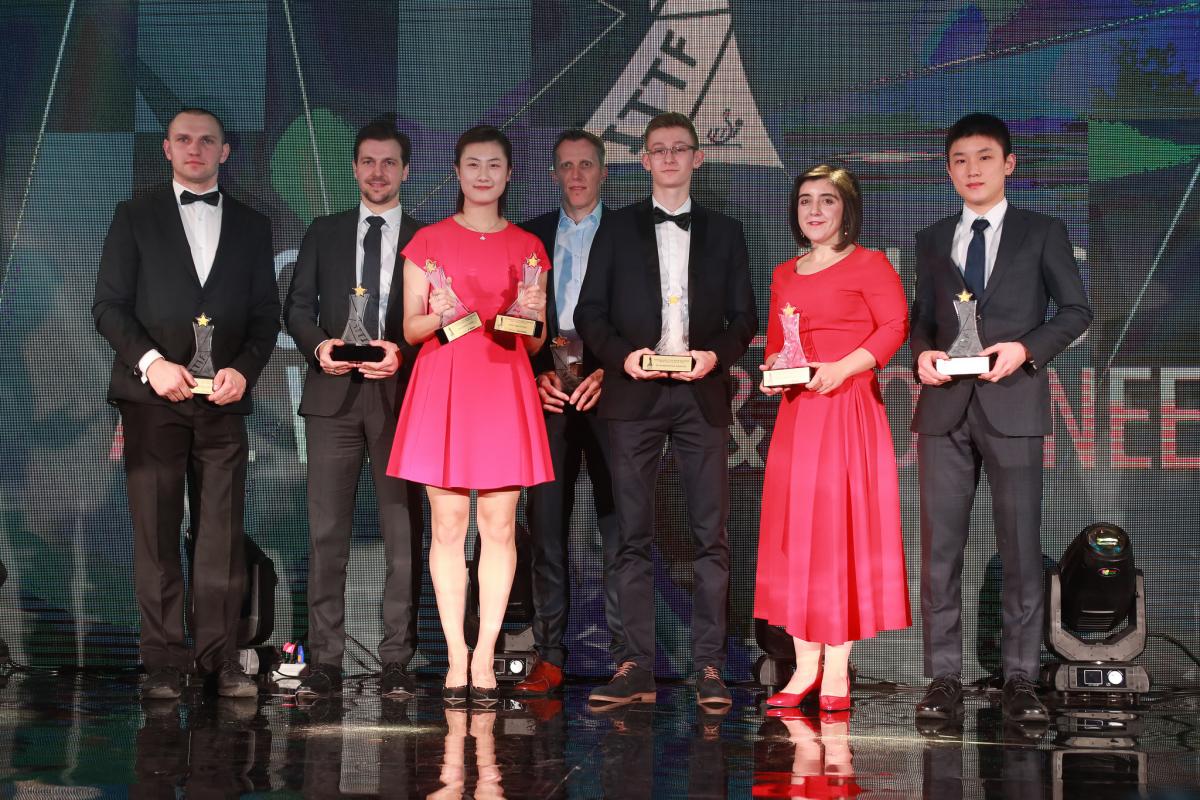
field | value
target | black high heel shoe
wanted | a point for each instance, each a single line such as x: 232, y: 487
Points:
x: 455, y: 695
x: 484, y: 697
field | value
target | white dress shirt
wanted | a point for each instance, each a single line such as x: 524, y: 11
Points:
x: 991, y: 237
x: 572, y: 246
x: 674, y: 250
x: 387, y: 254
x: 202, y: 227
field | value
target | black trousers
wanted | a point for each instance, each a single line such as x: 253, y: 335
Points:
x: 572, y: 435
x: 949, y: 475
x: 163, y: 443
x: 336, y: 446
x: 701, y: 453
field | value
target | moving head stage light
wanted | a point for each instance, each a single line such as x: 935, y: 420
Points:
x: 1093, y: 590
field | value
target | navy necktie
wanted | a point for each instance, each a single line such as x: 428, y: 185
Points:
x: 976, y: 266
x: 372, y: 244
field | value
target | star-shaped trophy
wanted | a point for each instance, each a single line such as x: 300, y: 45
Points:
x: 964, y: 350
x: 357, y: 348
x: 201, y: 365
x: 791, y: 367
x: 518, y: 319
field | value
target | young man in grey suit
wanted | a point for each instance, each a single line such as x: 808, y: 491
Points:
x: 179, y: 261
x: 1012, y: 263
x: 350, y: 407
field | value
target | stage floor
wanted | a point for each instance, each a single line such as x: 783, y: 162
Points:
x: 90, y: 736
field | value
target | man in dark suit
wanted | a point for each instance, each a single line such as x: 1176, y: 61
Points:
x: 573, y: 428
x: 1012, y: 262
x: 352, y: 407
x: 182, y: 254
x: 667, y: 270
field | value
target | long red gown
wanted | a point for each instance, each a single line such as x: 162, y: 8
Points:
x: 830, y: 553
x: 471, y: 417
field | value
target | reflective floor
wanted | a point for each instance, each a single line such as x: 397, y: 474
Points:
x: 89, y: 736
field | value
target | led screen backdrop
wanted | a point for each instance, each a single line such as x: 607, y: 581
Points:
x: 1102, y: 98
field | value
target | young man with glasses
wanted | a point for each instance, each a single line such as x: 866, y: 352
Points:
x: 651, y: 261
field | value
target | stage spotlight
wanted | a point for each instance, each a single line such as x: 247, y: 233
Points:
x: 1093, y: 590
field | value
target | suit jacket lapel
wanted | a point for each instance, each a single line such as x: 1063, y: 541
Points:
x: 945, y: 246
x: 229, y: 218
x: 699, y: 230
x: 168, y: 211
x: 549, y: 241
x: 645, y: 228
x: 1011, y: 237
x: 395, y: 309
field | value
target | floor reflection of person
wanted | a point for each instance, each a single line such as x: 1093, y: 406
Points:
x: 454, y: 776
x: 822, y: 763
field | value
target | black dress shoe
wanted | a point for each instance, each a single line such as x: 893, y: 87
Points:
x: 485, y: 697
x: 455, y: 695
x: 942, y: 700
x: 232, y: 681
x: 322, y: 680
x: 395, y: 682
x: 161, y: 684
x: 711, y: 689
x: 630, y: 684
x: 1021, y: 702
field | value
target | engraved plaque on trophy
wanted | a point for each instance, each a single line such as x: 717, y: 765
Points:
x: 964, y: 351
x: 517, y: 319
x: 669, y: 352
x: 791, y: 367
x: 357, y: 347
x: 456, y: 321
x: 568, y: 371
x: 201, y: 365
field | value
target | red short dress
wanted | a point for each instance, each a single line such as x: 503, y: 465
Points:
x: 471, y: 417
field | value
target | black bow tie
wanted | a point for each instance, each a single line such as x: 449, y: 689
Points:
x: 683, y: 220
x: 211, y: 198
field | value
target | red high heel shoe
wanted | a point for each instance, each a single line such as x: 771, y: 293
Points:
x: 794, y: 699
x: 834, y: 702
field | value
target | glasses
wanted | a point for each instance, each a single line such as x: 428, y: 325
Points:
x: 679, y: 151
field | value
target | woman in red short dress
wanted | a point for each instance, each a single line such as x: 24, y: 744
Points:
x: 830, y: 553
x: 471, y: 418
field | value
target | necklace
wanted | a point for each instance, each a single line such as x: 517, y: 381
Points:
x: 493, y: 228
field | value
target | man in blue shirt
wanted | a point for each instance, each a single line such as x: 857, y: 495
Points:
x: 568, y: 378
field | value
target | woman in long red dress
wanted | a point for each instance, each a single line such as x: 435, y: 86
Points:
x: 471, y: 418
x: 830, y: 553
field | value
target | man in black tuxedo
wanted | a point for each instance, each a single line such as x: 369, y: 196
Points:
x: 1012, y: 262
x: 573, y: 427
x: 352, y: 407
x: 181, y: 254
x: 668, y: 270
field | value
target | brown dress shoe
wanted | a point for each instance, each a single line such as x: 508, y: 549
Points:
x: 544, y: 678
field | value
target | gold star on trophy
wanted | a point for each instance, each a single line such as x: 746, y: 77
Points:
x: 203, y: 320
x: 964, y: 296
x: 533, y: 261
x: 673, y: 299
x: 360, y: 291
x: 430, y: 265
x: 789, y: 309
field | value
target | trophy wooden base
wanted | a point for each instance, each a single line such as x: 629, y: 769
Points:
x: 358, y: 353
x: 964, y: 365
x: 660, y: 363
x: 203, y: 386
x: 518, y: 325
x: 790, y: 376
x: 459, y: 328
